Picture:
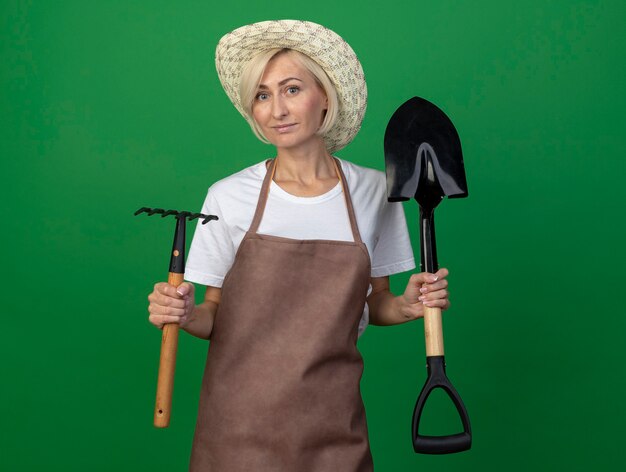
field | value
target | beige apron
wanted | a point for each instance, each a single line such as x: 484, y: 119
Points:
x: 281, y: 386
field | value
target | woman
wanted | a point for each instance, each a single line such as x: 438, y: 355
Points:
x: 291, y: 276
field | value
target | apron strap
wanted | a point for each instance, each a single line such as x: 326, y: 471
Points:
x: 260, y: 206
x: 258, y: 214
x: 346, y: 193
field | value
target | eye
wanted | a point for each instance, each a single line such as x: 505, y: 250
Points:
x: 262, y: 96
x: 293, y: 89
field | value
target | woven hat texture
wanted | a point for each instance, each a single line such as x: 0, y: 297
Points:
x: 324, y: 46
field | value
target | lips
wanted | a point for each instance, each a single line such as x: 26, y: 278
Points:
x: 284, y: 128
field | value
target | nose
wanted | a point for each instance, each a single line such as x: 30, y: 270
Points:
x: 279, y: 108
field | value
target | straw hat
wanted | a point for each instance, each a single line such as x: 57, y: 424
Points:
x: 322, y: 45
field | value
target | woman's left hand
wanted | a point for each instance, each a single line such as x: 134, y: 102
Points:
x: 424, y: 289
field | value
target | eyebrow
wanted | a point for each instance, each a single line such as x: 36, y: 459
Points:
x: 282, y: 82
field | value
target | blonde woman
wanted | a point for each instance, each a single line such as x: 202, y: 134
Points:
x: 297, y: 265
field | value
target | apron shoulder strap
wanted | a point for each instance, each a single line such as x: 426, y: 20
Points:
x: 346, y: 193
x: 260, y: 206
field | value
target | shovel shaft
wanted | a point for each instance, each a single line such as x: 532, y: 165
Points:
x: 167, y: 366
x: 428, y: 244
x: 433, y: 329
x: 433, y: 332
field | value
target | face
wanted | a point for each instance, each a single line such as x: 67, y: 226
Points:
x: 289, y: 105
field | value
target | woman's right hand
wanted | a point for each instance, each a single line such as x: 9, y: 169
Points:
x: 169, y: 304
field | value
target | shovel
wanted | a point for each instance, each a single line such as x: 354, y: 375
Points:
x: 423, y: 160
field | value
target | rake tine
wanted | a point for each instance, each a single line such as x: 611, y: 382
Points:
x: 142, y: 210
x: 155, y: 210
x: 168, y: 213
x: 205, y: 218
x: 208, y: 218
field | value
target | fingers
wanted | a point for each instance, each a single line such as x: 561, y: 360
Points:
x: 169, y: 304
x: 160, y: 320
x: 434, y: 292
x: 423, y: 278
x: 185, y: 289
x: 427, y: 277
x: 439, y: 285
x: 168, y: 290
x: 166, y: 301
x: 436, y: 299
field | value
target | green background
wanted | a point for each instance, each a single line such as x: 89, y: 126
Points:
x: 112, y: 105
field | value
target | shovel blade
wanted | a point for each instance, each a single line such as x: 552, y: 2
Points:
x: 417, y: 130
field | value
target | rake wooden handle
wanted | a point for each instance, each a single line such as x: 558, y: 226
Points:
x: 167, y: 366
x: 433, y: 331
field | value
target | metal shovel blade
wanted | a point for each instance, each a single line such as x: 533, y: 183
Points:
x: 416, y: 130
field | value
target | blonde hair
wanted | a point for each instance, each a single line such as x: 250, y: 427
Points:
x: 253, y: 73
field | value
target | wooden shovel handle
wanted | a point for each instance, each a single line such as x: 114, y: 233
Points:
x: 167, y: 366
x: 433, y: 331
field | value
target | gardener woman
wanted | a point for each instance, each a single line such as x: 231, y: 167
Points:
x: 296, y: 266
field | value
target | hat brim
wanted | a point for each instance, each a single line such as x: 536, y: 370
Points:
x: 324, y: 46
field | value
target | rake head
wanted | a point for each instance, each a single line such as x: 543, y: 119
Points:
x: 177, y: 214
x: 177, y: 260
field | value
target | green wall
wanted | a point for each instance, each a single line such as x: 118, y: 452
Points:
x: 112, y: 105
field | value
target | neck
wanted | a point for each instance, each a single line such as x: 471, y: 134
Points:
x: 304, y: 164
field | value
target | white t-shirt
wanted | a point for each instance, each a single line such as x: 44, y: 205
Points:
x: 234, y: 199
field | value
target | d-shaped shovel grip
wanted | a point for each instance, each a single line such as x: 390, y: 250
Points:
x: 440, y: 444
